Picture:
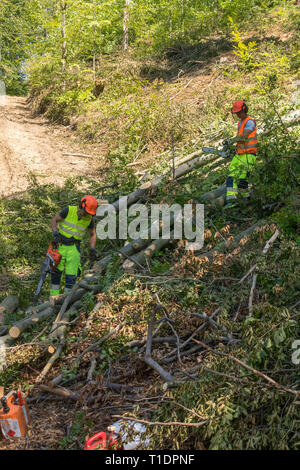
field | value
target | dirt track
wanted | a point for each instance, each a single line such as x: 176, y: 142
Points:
x: 32, y: 145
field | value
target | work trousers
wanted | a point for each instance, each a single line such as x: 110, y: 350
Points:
x: 70, y: 264
x: 239, y: 172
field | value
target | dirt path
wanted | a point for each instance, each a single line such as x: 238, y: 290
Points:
x: 32, y: 145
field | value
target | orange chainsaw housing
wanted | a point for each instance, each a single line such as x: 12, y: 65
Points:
x: 54, y: 254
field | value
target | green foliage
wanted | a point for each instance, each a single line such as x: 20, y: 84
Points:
x: 78, y: 431
x: 15, y: 34
x: 245, y: 52
x: 87, y: 302
x: 241, y: 414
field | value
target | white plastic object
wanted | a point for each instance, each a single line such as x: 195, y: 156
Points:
x: 135, y: 431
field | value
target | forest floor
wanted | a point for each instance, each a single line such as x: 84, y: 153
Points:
x: 33, y: 145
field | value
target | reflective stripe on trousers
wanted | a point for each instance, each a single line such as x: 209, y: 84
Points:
x: 237, y: 180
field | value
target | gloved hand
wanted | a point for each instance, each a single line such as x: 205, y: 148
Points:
x: 56, y: 239
x: 228, y: 142
x: 93, y: 255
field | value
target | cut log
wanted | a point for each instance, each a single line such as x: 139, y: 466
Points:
x: 187, y: 158
x: 7, y: 339
x: 215, y: 193
x: 58, y: 300
x: 183, y: 169
x: 132, y: 247
x: 61, y: 331
x: 129, y: 249
x: 37, y: 308
x: 59, y: 326
x: 28, y: 322
x: 131, y: 198
x: 153, y: 184
x: 8, y: 306
x: 142, y: 256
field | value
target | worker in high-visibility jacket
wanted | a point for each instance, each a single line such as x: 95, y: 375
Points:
x: 69, y: 228
x: 246, y: 150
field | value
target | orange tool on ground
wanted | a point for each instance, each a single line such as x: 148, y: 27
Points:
x: 105, y: 441
x: 13, y: 422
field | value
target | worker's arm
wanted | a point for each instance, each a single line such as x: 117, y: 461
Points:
x: 54, y: 221
x: 241, y: 138
x: 93, y: 238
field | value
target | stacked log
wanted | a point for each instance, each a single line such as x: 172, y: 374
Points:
x: 8, y: 306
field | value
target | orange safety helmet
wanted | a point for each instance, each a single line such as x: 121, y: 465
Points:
x: 238, y: 106
x: 89, y: 204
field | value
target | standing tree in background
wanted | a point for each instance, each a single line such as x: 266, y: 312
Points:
x: 15, y: 34
x: 63, y: 7
x: 125, y: 25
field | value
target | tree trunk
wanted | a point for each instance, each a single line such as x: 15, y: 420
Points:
x: 8, y: 306
x: 127, y: 250
x: 231, y: 244
x: 125, y: 25
x: 28, y: 322
x: 132, y: 247
x: 142, y: 256
x: 211, y: 195
x: 64, y: 42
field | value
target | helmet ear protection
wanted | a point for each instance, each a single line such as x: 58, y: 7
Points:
x: 239, y: 106
x: 89, y: 204
x: 82, y: 204
x: 245, y: 108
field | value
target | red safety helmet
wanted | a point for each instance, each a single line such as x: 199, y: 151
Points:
x: 238, y: 106
x: 89, y: 204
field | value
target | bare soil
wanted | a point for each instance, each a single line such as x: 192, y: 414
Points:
x: 32, y: 145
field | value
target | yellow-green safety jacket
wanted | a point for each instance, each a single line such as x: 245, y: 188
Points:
x: 71, y: 226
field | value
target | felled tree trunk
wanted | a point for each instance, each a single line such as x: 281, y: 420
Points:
x: 132, y: 197
x: 230, y: 244
x: 142, y: 256
x: 127, y: 250
x: 131, y: 248
x: 28, y: 322
x: 8, y: 306
x: 211, y: 195
x: 184, y: 169
x: 60, y: 333
x: 179, y: 171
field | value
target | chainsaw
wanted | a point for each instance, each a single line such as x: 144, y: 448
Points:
x: 52, y: 259
x: 226, y: 151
